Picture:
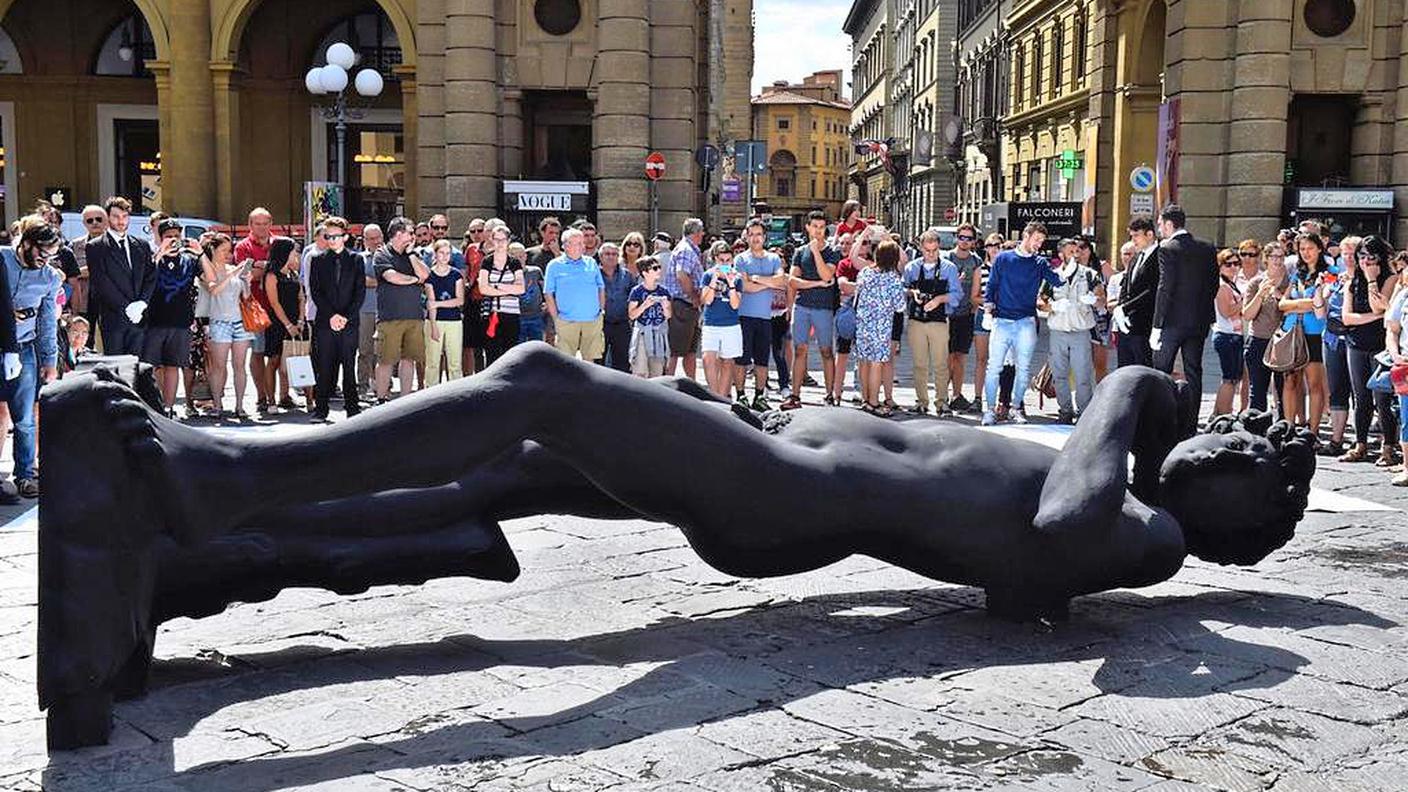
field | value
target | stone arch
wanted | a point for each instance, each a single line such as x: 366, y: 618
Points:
x: 1149, y: 54
x: 230, y: 26
x: 149, y: 9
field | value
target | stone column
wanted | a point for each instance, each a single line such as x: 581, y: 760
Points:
x: 187, y: 137
x: 1261, y: 96
x: 1400, y: 138
x: 621, y: 121
x: 228, y: 137
x: 410, y: 128
x: 429, y: 171
x: 672, y: 107
x: 471, y: 112
x: 511, y: 134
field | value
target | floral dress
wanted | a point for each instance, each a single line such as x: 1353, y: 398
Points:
x: 879, y: 296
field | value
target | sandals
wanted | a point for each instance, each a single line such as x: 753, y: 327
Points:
x: 831, y: 401
x: 1386, y: 461
x: 790, y: 403
x: 287, y: 403
x: 1356, y: 453
x: 884, y: 411
x: 867, y: 407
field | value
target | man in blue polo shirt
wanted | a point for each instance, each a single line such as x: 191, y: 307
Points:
x: 762, y: 273
x: 576, y: 298
x: 1011, y: 294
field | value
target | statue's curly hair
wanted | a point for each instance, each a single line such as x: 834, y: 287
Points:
x: 1239, y: 489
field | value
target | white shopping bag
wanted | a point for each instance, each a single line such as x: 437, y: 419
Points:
x: 300, y: 371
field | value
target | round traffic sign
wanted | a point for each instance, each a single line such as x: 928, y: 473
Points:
x: 1142, y: 179
x: 655, y: 166
x: 707, y: 156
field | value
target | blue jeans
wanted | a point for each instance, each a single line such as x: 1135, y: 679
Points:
x: 1019, y: 336
x: 530, y: 328
x: 1403, y: 419
x: 19, y: 395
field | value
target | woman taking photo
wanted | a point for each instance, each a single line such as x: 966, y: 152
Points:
x: 1365, y: 304
x: 501, y: 282
x: 880, y: 294
x: 1227, y: 330
x: 1302, y: 304
x: 285, y: 293
x: 226, y: 282
x: 1262, y: 313
x: 1332, y: 293
x: 444, y: 311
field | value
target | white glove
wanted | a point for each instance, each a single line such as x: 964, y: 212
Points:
x: 1061, y: 306
x: 1119, y: 321
x: 135, y: 310
x: 1087, y: 299
x: 12, y: 365
x: 1155, y: 340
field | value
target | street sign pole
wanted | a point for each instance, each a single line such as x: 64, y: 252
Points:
x: 654, y: 209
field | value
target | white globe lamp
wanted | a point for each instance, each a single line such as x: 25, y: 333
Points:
x: 340, y: 54
x: 369, y: 83
x: 313, y: 81
x: 333, y: 78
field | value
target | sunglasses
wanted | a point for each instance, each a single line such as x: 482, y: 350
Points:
x: 633, y: 244
x: 334, y: 237
x: 92, y: 220
x: 992, y: 245
x: 1248, y: 254
x: 650, y: 269
x: 966, y: 238
x: 1229, y: 263
x: 443, y: 228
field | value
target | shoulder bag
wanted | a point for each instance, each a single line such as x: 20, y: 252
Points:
x: 1288, y: 350
x: 255, y: 318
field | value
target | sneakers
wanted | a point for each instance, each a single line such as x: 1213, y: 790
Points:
x: 919, y: 409
x: 760, y: 402
x: 977, y: 407
x: 27, y: 488
x: 1019, y: 417
x: 1401, y: 480
x: 989, y: 419
x: 959, y: 404
x: 8, y: 498
x: 1066, y: 417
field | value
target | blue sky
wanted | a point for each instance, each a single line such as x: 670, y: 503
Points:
x: 797, y: 37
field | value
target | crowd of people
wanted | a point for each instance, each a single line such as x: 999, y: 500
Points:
x: 1314, y: 323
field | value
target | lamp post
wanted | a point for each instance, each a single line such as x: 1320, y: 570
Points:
x: 332, y: 80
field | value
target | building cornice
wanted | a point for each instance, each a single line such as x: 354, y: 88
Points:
x: 1066, y: 104
x: 856, y: 16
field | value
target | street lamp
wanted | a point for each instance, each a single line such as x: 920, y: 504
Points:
x: 332, y: 80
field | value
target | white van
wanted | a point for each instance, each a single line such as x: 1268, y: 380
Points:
x: 140, y: 226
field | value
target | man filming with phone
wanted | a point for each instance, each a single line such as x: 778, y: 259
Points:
x: 166, y: 344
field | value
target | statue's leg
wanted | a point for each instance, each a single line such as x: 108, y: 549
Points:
x: 662, y: 454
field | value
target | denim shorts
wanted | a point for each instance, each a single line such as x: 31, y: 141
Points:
x: 229, y: 331
x: 813, y: 326
x: 1229, y: 355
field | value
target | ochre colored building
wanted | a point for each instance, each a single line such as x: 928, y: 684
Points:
x: 199, y: 106
x: 806, y: 128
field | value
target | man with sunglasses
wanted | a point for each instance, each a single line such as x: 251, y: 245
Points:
x: 966, y: 260
x: 82, y: 302
x: 337, y: 283
x: 32, y: 354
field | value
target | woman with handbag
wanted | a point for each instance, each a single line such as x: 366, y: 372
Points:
x: 1333, y: 293
x: 287, y: 333
x: 1304, y: 306
x: 847, y: 273
x: 227, y: 284
x: 1262, y: 313
x: 1363, y: 311
x: 1396, y: 341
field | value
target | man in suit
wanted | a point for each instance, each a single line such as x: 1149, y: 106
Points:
x: 122, y: 276
x: 337, y: 285
x: 1183, y: 307
x: 1134, y: 314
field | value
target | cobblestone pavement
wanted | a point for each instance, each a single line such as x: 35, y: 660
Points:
x: 620, y: 661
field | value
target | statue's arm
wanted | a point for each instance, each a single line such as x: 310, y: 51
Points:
x: 1135, y: 410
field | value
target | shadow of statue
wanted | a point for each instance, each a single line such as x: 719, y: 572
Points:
x: 763, y: 658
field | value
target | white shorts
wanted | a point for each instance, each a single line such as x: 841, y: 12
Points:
x: 726, y: 341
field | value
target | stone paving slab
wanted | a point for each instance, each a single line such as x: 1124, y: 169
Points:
x: 620, y: 662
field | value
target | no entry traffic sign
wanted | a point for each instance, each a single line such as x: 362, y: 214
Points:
x: 655, y: 166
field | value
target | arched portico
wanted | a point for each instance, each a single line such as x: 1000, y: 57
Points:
x: 1139, y: 91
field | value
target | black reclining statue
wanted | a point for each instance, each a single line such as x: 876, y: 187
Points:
x: 144, y: 519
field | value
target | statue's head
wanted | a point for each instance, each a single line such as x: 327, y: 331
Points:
x: 1239, y: 490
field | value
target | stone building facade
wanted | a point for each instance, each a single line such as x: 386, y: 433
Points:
x: 870, y: 24
x: 807, y: 130
x: 983, y: 101
x: 933, y: 176
x: 199, y: 106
